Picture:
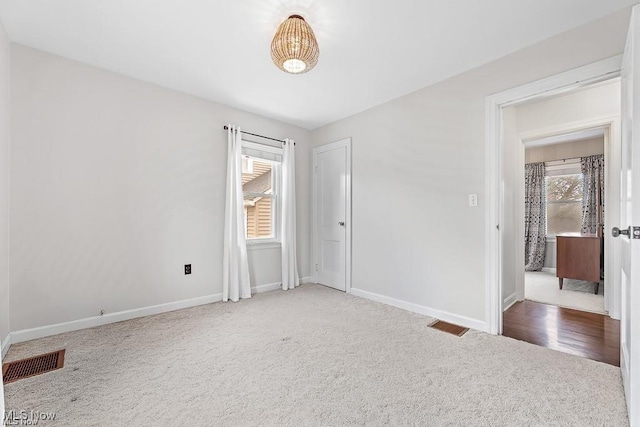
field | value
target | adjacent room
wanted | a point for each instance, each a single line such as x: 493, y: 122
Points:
x: 567, y: 181
x: 558, y: 170
x: 570, y: 159
x: 319, y: 213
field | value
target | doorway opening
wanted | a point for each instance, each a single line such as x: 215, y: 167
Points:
x: 567, y: 269
x: 544, y: 215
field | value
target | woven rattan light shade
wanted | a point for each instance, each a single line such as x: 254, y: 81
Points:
x: 294, y: 48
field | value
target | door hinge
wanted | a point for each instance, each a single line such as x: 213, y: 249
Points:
x: 316, y: 267
x: 498, y: 227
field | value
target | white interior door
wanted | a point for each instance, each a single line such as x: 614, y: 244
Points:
x: 630, y: 216
x: 332, y: 219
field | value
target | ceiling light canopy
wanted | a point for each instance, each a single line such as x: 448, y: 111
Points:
x: 294, y: 48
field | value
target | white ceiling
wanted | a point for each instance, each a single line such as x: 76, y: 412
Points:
x: 371, y: 51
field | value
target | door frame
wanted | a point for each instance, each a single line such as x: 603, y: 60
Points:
x: 555, y: 85
x: 612, y: 143
x: 346, y: 142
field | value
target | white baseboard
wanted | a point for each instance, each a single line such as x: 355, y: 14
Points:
x: 266, y: 288
x: 275, y: 286
x: 6, y: 343
x: 90, y: 322
x: 421, y: 309
x: 551, y: 270
x: 509, y: 301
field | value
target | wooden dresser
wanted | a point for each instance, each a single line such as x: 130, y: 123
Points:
x: 578, y: 257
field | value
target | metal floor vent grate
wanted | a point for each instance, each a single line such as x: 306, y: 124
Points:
x: 449, y: 328
x: 24, y: 368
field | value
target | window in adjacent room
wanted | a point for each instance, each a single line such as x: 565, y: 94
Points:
x: 564, y: 203
x: 260, y: 197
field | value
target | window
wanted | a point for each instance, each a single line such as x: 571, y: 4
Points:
x: 260, y: 197
x: 564, y: 203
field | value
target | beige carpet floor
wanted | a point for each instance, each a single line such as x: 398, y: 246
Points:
x: 541, y: 286
x: 310, y: 357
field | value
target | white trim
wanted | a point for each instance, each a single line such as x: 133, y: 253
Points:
x: 6, y: 344
x: 550, y: 270
x: 593, y: 73
x: 493, y: 216
x: 520, y: 226
x: 593, y: 123
x: 314, y: 215
x: 276, y: 208
x: 568, y: 168
x: 307, y: 279
x: 275, y: 195
x: 346, y: 142
x: 90, y: 322
x: 567, y: 137
x: 253, y: 245
x: 624, y: 367
x: 509, y: 301
x: 262, y: 147
x: 421, y: 309
x: 612, y: 260
x: 558, y: 164
x: 266, y: 288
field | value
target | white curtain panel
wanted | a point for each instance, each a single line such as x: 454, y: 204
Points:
x: 290, y: 277
x: 235, y: 279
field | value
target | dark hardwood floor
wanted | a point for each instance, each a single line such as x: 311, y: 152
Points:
x: 590, y: 335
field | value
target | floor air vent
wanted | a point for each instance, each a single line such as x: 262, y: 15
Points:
x: 24, y: 368
x: 449, y: 328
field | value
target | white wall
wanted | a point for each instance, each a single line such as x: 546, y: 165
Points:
x: 550, y: 254
x: 5, y: 109
x: 116, y: 184
x: 415, y: 160
x: 512, y: 260
x: 599, y: 101
x: 5, y: 134
x: 565, y: 150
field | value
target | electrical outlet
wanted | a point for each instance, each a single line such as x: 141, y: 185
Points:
x: 473, y: 200
x: 187, y: 269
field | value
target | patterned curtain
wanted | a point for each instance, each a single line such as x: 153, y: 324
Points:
x: 534, y: 216
x: 593, y: 197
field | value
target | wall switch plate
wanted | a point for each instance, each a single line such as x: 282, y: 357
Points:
x: 473, y: 200
x: 187, y: 269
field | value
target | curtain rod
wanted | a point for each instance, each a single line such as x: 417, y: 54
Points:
x: 576, y: 159
x: 259, y: 136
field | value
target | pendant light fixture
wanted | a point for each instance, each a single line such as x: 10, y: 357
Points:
x: 294, y: 48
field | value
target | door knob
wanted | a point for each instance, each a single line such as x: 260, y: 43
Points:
x: 341, y: 223
x: 615, y: 232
